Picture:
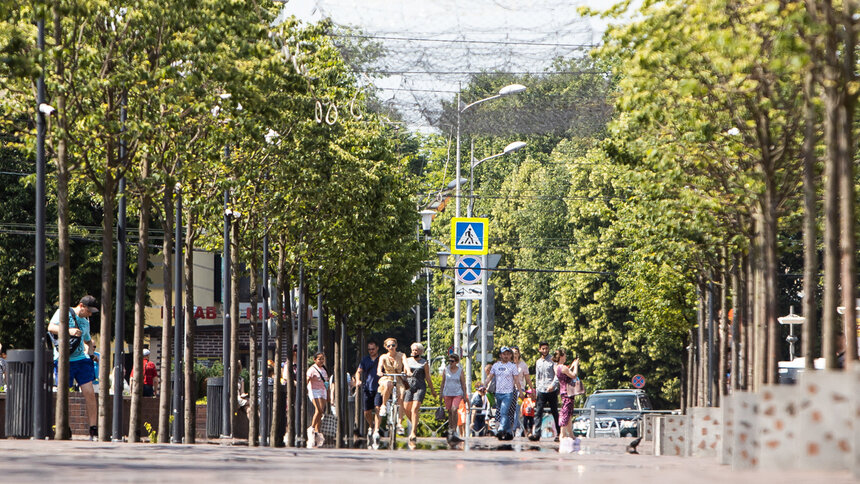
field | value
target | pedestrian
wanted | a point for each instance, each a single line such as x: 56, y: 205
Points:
x: 567, y: 377
x: 481, y: 405
x: 546, y: 384
x: 367, y: 378
x: 527, y: 410
x: 150, y: 375
x: 418, y: 383
x: 525, y: 384
x: 81, y: 354
x: 504, y: 373
x: 317, y: 380
x: 4, y: 369
x: 453, y: 392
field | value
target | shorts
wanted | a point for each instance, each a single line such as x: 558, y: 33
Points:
x: 372, y: 399
x: 453, y: 402
x: 566, y: 411
x: 387, y: 380
x: 148, y: 391
x: 414, y: 395
x: 315, y: 394
x: 81, y: 371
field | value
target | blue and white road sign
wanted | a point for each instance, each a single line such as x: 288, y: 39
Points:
x: 469, y: 269
x: 469, y: 236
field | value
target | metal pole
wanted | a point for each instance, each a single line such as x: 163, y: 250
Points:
x: 301, y: 434
x: 429, y: 275
x: 226, y: 420
x: 457, y: 179
x: 320, y: 329
x: 466, y: 350
x: 40, y: 383
x: 179, y: 326
x: 119, y: 315
x: 456, y: 323
x: 484, y: 316
x: 264, y: 390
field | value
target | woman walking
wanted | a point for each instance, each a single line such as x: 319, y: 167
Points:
x: 418, y: 382
x: 453, y: 392
x: 567, y: 377
x: 317, y: 379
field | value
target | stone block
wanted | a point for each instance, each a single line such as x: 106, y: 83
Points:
x: 826, y: 415
x: 705, y: 429
x: 648, y: 426
x: 670, y: 435
x: 745, y: 446
x: 778, y: 427
x: 724, y: 448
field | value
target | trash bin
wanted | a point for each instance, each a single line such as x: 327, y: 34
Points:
x: 19, y: 394
x: 214, y: 396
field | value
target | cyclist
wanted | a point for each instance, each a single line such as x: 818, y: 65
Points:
x: 453, y: 392
x: 418, y: 384
x: 392, y: 362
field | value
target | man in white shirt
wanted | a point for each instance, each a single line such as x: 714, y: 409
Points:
x: 546, y: 383
x: 504, y: 373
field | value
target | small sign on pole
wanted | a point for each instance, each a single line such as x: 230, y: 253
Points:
x: 469, y: 236
x: 638, y: 381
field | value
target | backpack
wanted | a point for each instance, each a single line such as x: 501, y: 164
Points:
x: 74, y: 341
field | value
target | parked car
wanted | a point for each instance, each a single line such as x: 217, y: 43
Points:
x: 618, y: 412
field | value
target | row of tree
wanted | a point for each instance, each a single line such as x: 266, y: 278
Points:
x: 212, y: 107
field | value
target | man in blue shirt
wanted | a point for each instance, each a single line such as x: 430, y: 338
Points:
x: 367, y: 377
x: 81, y: 367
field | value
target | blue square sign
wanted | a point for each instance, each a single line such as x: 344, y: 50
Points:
x: 469, y: 236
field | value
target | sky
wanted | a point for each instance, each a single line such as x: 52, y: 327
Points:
x: 434, y: 45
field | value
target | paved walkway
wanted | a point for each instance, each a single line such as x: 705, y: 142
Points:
x: 602, y: 460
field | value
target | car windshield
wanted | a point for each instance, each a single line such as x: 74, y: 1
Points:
x: 612, y: 402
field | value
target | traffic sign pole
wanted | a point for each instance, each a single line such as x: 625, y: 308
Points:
x: 466, y: 350
x: 484, y: 316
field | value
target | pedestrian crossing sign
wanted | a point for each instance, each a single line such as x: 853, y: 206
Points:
x: 469, y: 235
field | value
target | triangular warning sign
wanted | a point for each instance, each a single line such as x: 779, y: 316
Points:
x: 469, y: 238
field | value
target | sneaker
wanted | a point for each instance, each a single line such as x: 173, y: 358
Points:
x: 383, y: 411
x: 94, y: 432
x: 311, y: 437
x: 320, y: 439
x: 509, y: 436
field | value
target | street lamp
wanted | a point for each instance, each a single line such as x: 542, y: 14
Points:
x: 791, y: 320
x: 426, y: 219
x: 511, y: 148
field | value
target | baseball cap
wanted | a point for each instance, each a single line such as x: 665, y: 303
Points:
x: 90, y: 302
x: 146, y: 352
x: 505, y: 348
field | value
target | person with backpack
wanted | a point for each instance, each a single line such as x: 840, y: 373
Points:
x: 81, y: 354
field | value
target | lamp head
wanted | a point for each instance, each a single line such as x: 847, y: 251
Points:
x: 426, y: 219
x: 443, y: 259
x: 515, y: 146
x: 511, y: 89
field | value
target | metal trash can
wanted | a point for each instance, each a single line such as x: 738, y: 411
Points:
x: 214, y: 396
x: 19, y: 394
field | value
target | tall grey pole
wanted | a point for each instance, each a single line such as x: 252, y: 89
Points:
x: 119, y: 315
x: 301, y: 435
x: 264, y: 387
x: 320, y: 327
x: 226, y: 420
x: 466, y: 349
x: 179, y: 326
x: 429, y: 275
x: 40, y: 383
x: 485, y: 261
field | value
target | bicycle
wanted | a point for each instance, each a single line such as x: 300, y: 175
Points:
x: 392, y: 410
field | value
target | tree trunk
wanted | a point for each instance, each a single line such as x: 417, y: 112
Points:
x: 701, y: 354
x: 749, y: 323
x: 846, y: 151
x: 736, y: 323
x: 769, y: 220
x: 253, y: 421
x: 61, y: 410
x: 190, y: 382
x: 832, y: 170
x: 234, y: 317
x: 277, y: 417
x: 691, y: 369
x: 105, y: 407
x: 760, y: 315
x: 164, y: 390
x: 338, y: 395
x: 810, y: 228
x: 140, y: 296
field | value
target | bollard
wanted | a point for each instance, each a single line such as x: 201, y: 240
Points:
x: 592, y: 422
x: 214, y: 394
x: 19, y: 394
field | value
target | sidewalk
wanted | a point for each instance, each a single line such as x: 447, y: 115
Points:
x: 602, y: 460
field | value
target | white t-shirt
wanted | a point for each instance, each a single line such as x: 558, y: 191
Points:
x: 524, y: 373
x: 504, y: 374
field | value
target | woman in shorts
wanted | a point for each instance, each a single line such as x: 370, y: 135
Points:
x: 317, y: 380
x: 566, y: 377
x: 453, y: 392
x: 417, y: 383
x: 391, y: 362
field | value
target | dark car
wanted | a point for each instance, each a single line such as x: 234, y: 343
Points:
x: 618, y: 413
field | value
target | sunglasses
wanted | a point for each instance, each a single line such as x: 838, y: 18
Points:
x: 391, y: 346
